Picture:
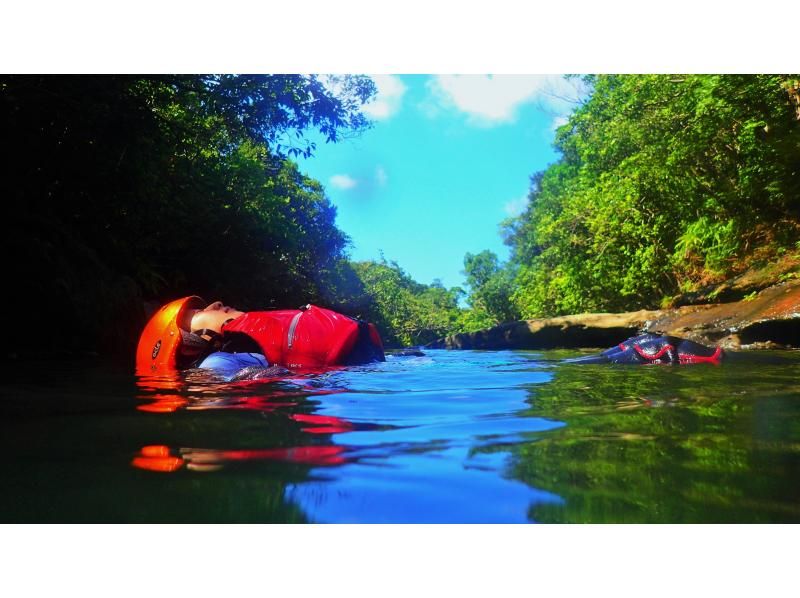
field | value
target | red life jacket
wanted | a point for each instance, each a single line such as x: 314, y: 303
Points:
x: 310, y: 337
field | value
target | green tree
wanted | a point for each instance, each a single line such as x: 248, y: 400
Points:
x: 666, y: 183
x: 491, y: 287
x: 126, y: 188
x: 405, y: 311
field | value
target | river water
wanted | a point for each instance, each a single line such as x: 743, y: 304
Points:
x: 450, y: 436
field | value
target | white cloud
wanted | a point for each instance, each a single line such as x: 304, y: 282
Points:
x: 380, y: 176
x: 515, y: 207
x: 343, y: 181
x: 388, y: 99
x: 558, y: 121
x: 490, y: 100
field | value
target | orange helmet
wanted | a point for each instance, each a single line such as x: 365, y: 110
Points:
x: 162, y: 337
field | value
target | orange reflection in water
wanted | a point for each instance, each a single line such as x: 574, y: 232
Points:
x: 162, y: 392
x: 170, y: 392
x: 162, y: 459
x: 163, y: 403
x: 157, y: 458
x: 323, y: 424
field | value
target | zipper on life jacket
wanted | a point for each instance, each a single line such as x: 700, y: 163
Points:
x: 292, y: 326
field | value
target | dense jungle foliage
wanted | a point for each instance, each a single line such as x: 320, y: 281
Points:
x: 128, y: 190
x: 666, y: 184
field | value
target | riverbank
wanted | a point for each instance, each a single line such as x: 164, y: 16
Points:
x: 765, y: 319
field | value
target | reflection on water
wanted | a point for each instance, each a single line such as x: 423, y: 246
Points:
x: 691, y: 444
x: 444, y: 437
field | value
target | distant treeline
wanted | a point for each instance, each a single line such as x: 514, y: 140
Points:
x: 666, y: 183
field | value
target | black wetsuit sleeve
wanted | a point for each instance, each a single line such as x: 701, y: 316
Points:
x: 238, y: 342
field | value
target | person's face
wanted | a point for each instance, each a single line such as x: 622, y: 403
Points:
x: 213, y: 316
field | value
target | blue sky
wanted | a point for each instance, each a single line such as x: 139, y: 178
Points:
x: 448, y: 158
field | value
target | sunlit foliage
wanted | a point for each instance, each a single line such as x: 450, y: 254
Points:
x: 407, y: 312
x: 491, y: 286
x: 666, y: 183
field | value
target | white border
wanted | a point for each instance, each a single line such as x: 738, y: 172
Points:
x: 413, y: 36
x: 408, y: 37
x: 398, y: 560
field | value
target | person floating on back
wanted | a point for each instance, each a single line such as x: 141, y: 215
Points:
x: 189, y: 333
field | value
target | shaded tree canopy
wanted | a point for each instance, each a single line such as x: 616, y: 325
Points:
x: 131, y: 187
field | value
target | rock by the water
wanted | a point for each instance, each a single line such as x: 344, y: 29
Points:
x: 406, y: 353
x: 769, y: 319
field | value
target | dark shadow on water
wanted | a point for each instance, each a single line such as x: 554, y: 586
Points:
x: 87, y: 442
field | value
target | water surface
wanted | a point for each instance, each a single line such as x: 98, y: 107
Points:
x: 462, y: 436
